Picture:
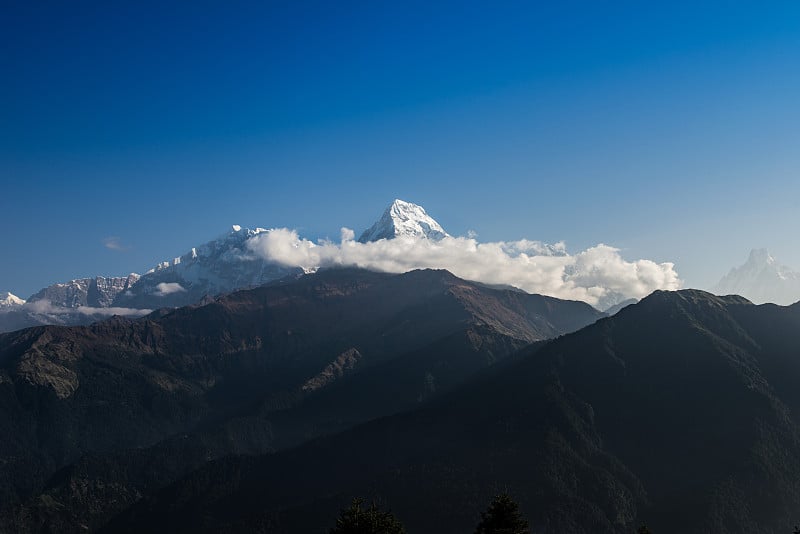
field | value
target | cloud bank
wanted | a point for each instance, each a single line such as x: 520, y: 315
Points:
x: 168, y: 288
x: 47, y: 308
x: 598, y: 275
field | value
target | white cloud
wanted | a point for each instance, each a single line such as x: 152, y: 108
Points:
x: 114, y: 243
x: 47, y: 308
x: 168, y: 288
x: 598, y: 275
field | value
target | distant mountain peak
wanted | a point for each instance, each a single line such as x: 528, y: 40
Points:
x: 97, y: 291
x: 404, y: 219
x: 8, y: 300
x: 761, y: 279
x: 760, y: 256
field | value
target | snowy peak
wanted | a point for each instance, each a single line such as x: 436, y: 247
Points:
x: 404, y: 219
x: 761, y: 279
x: 230, y: 247
x: 97, y: 292
x: 10, y: 300
x: 760, y: 257
x: 218, y: 266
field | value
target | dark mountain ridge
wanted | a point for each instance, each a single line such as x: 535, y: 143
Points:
x: 106, y: 413
x: 679, y: 411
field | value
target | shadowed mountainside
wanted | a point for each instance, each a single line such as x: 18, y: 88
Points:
x: 680, y: 410
x: 98, y: 416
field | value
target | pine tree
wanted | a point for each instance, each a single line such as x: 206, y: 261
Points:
x: 372, y: 520
x: 502, y: 517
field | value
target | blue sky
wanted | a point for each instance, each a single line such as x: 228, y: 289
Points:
x: 669, y: 131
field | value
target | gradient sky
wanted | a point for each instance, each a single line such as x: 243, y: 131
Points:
x: 670, y: 131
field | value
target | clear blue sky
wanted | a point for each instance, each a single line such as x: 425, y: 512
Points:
x: 671, y: 131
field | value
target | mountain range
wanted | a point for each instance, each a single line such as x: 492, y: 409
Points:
x: 404, y: 238
x: 679, y: 412
x: 268, y: 409
x: 97, y: 416
x: 97, y: 292
x: 220, y: 266
x: 231, y: 393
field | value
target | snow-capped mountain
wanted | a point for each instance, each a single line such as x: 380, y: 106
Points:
x: 97, y: 292
x: 77, y: 302
x: 244, y: 258
x: 403, y: 218
x: 219, y: 266
x: 10, y: 300
x: 761, y: 279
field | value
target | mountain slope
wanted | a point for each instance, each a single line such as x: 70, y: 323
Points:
x: 615, y: 309
x: 679, y: 411
x: 93, y: 409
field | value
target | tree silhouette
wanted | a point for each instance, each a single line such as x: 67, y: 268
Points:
x: 502, y: 517
x: 644, y: 530
x: 372, y: 520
